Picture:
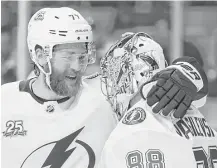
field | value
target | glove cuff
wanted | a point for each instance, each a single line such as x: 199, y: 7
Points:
x: 190, y: 72
x: 191, y: 60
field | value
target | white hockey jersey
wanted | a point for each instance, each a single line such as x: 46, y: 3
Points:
x: 142, y: 140
x: 195, y: 127
x: 38, y: 134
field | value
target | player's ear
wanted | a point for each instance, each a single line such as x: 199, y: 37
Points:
x: 41, y: 58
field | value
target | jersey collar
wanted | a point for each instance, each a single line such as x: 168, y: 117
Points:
x: 25, y: 86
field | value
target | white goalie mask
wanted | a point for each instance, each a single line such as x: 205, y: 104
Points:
x: 131, y: 61
x: 53, y: 26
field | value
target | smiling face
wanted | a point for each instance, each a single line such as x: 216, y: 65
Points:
x: 68, y: 64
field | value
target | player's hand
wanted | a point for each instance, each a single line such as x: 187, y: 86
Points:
x: 176, y: 87
x: 172, y: 91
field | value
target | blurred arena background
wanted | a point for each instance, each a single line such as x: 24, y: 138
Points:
x: 182, y: 28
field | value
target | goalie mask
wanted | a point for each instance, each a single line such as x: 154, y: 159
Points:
x: 50, y: 27
x: 130, y: 62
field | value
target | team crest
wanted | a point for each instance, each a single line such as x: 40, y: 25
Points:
x: 40, y: 16
x: 58, y: 154
x: 14, y: 128
x: 135, y: 116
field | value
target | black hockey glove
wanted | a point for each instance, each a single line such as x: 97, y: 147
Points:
x: 177, y: 86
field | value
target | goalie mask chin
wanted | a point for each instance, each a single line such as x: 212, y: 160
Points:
x: 131, y: 61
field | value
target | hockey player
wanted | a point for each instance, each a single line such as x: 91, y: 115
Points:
x: 149, y: 135
x: 55, y: 120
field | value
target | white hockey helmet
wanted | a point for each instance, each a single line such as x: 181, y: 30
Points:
x: 131, y: 61
x: 51, y: 26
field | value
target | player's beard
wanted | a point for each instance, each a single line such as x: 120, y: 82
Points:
x: 65, y: 87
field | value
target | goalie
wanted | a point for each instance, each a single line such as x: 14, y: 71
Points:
x: 150, y: 101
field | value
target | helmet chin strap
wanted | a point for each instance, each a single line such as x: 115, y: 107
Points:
x: 47, y: 79
x: 47, y: 74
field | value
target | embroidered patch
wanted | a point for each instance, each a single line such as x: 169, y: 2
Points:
x: 14, y: 128
x: 135, y: 116
x: 40, y: 16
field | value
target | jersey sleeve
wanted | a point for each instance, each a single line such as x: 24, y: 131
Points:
x: 145, y: 141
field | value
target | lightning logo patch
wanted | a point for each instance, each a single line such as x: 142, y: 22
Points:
x: 59, y: 153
